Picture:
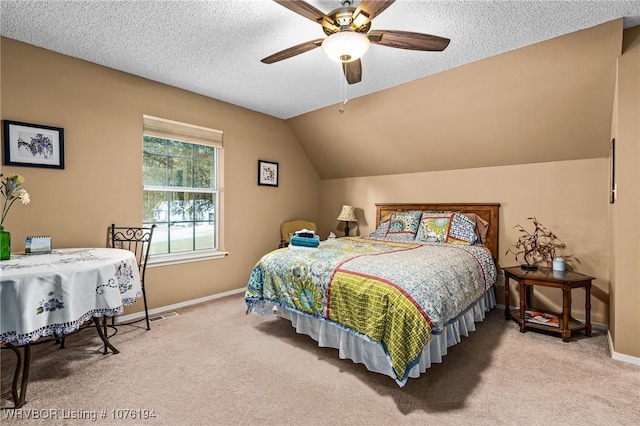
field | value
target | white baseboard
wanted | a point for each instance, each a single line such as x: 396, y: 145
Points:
x: 614, y: 355
x: 155, y: 311
x: 618, y: 356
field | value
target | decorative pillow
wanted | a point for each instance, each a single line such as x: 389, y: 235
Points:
x: 382, y: 229
x: 403, y: 225
x: 462, y: 230
x: 434, y: 227
x: 482, y: 227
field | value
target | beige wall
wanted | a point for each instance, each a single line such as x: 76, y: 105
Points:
x: 625, y: 212
x: 101, y: 112
x: 569, y: 197
x: 547, y: 102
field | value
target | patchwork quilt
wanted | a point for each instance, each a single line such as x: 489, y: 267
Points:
x: 396, y: 294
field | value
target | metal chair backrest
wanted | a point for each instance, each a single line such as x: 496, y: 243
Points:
x: 136, y: 240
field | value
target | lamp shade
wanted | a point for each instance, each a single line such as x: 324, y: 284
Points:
x: 346, y: 46
x: 347, y: 214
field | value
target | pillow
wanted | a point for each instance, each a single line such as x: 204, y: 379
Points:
x: 462, y: 230
x: 382, y: 229
x: 434, y: 227
x: 482, y: 227
x: 403, y: 225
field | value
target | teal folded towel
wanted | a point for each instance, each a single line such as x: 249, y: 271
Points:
x: 305, y: 241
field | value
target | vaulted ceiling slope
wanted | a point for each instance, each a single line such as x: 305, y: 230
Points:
x: 214, y: 47
x: 551, y: 101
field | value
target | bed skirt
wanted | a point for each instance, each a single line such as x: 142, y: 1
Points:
x: 362, y: 350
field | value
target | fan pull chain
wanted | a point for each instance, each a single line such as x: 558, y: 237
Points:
x: 343, y: 90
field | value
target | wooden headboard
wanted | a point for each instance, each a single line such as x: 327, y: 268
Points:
x: 488, y: 211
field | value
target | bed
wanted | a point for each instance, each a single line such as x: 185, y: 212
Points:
x: 396, y: 299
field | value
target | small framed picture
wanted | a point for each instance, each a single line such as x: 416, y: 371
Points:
x: 33, y: 145
x: 267, y: 173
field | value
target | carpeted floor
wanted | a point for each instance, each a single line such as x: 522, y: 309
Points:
x: 213, y: 364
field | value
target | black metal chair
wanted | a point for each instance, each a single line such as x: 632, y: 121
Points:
x: 138, y: 241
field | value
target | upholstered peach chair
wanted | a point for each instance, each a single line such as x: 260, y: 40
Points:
x: 292, y: 226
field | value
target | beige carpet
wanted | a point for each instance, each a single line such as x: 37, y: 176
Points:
x: 213, y: 364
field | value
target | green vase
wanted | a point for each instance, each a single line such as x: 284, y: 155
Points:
x: 5, y: 244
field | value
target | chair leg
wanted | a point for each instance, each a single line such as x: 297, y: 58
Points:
x: 146, y: 310
x: 104, y: 328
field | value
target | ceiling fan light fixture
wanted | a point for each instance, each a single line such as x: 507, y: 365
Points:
x: 360, y: 19
x: 346, y: 46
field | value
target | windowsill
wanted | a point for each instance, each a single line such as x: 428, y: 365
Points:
x: 177, y: 258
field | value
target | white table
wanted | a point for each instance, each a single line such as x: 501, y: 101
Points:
x: 54, y: 294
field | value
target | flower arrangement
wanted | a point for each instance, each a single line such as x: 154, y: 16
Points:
x: 537, y: 246
x: 11, y: 191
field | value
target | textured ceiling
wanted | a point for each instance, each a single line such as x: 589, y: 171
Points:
x: 214, y: 47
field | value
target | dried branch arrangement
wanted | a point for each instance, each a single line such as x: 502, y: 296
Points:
x: 537, y: 246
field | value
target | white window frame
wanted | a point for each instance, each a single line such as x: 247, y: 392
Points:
x: 173, y: 130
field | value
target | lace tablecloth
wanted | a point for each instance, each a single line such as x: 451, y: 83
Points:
x: 46, y: 294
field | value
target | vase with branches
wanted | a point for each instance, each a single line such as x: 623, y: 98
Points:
x: 536, y: 247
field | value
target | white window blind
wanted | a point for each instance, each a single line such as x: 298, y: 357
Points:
x: 174, y: 130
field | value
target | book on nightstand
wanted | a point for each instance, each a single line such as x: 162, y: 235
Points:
x: 540, y: 317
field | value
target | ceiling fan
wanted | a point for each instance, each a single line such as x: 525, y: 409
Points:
x: 348, y: 36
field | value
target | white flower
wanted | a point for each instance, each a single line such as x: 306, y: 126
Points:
x: 23, y: 195
x: 11, y: 191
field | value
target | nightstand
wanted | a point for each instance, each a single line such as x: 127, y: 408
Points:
x: 546, y: 277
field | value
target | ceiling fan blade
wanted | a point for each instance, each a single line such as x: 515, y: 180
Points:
x: 374, y: 38
x: 306, y: 10
x: 367, y: 10
x: 292, y: 51
x: 409, y: 40
x: 352, y: 71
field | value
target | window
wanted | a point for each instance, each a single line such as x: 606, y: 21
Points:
x: 181, y: 165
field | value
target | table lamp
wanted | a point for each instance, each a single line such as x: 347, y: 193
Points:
x: 347, y: 215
